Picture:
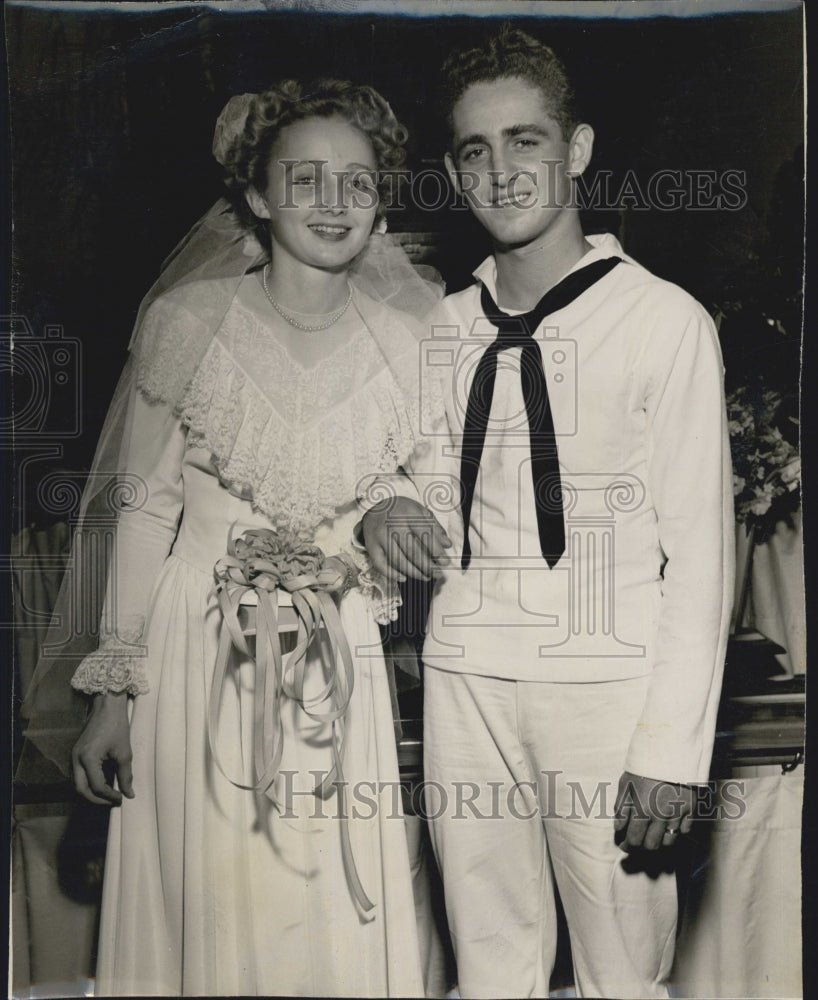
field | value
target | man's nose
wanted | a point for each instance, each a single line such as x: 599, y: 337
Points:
x: 500, y: 169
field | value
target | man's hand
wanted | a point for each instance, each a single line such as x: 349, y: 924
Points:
x: 106, y: 736
x: 403, y: 538
x: 650, y: 813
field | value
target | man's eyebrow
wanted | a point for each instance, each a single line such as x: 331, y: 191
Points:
x: 520, y: 129
x: 476, y: 139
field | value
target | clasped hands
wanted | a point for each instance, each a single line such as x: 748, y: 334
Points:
x: 404, y: 539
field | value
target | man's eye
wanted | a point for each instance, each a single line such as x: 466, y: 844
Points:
x: 473, y: 154
x: 526, y: 143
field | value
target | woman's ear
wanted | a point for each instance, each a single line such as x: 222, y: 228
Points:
x: 580, y: 147
x: 258, y: 206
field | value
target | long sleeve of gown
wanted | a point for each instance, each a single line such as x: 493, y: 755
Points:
x: 144, y: 537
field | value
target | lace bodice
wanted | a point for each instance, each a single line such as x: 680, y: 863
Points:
x: 295, y: 439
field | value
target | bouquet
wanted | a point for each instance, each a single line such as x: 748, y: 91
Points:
x: 262, y: 556
x: 268, y: 561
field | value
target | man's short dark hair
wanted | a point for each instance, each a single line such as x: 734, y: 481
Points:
x: 512, y: 53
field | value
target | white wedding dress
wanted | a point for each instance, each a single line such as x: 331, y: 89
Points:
x: 203, y: 895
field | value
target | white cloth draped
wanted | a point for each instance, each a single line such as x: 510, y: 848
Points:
x: 741, y: 933
x: 777, y: 602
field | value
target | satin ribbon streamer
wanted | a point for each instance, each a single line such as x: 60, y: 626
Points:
x: 314, y: 608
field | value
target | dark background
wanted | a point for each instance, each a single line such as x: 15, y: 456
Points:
x: 112, y: 115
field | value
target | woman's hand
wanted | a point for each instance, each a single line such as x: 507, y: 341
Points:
x: 338, y: 575
x: 106, y: 736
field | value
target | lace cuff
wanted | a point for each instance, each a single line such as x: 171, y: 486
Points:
x: 382, y: 596
x: 118, y: 666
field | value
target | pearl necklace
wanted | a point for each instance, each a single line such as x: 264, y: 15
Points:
x: 294, y: 322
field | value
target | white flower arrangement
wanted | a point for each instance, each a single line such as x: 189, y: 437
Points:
x: 766, y: 466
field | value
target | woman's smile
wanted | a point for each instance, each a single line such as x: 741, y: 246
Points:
x: 329, y: 230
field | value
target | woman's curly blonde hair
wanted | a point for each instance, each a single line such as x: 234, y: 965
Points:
x: 246, y: 155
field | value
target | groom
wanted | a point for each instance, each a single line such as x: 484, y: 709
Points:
x: 584, y: 574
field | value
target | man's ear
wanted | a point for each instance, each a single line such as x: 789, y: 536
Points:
x: 580, y: 147
x: 451, y: 170
x: 258, y: 206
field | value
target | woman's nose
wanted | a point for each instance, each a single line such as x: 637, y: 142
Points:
x: 332, y: 194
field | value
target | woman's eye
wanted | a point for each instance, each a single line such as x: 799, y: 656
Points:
x: 304, y: 180
x: 363, y: 182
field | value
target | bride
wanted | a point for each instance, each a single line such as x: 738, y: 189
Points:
x: 264, y: 385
